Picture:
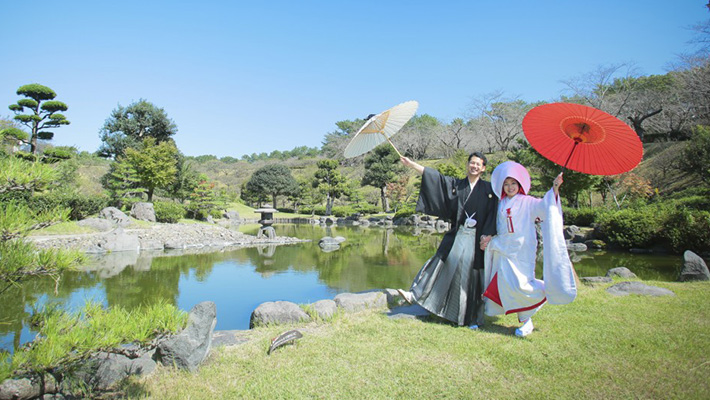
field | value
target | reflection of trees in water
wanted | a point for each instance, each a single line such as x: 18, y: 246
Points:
x: 369, y: 258
x: 18, y: 301
x: 645, y: 266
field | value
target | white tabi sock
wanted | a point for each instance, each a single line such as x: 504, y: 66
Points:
x: 526, y: 329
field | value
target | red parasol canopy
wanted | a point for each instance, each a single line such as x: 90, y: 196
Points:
x: 582, y: 138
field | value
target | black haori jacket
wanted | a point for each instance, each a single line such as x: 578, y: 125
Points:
x: 448, y: 198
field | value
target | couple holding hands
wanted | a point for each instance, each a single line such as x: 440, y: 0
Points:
x: 485, y: 263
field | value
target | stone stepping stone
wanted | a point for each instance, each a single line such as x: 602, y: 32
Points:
x: 627, y: 288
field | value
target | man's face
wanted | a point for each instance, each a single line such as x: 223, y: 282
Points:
x: 475, y: 167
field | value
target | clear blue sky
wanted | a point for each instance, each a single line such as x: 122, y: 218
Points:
x: 244, y: 77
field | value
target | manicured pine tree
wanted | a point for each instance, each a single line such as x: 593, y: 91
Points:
x: 38, y: 112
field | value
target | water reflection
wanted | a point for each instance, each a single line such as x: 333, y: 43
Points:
x: 238, y: 280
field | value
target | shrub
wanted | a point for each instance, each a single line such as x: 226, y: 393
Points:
x: 405, y: 211
x: 80, y: 206
x: 216, y: 213
x: 698, y: 202
x: 343, y: 211
x: 126, y: 203
x: 366, y: 208
x: 580, y: 216
x: 168, y: 211
x: 638, y: 227
x: 686, y: 229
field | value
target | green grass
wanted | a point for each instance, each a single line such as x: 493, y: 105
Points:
x: 598, y: 347
x: 248, y: 212
x: 63, y: 228
x: 73, y: 228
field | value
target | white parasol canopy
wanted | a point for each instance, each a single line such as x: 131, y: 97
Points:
x: 380, y: 128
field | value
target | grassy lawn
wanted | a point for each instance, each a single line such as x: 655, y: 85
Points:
x: 248, y: 212
x: 598, y: 347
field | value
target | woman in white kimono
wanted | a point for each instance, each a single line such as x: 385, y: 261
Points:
x: 511, y: 286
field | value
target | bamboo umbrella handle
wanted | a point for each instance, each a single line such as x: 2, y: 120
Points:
x: 392, y: 144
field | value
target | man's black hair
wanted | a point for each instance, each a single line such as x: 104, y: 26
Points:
x: 479, y: 155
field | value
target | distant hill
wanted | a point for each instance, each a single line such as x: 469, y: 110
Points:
x: 659, y: 166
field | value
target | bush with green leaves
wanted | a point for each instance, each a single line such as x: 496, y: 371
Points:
x: 405, y: 211
x: 80, y: 206
x: 168, y: 211
x: 584, y: 216
x: 203, y: 200
x: 305, y: 209
x: 686, y: 229
x: 632, y: 227
x: 318, y: 210
x: 366, y: 208
x: 343, y: 211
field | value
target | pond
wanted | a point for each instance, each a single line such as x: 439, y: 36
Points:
x: 239, y: 280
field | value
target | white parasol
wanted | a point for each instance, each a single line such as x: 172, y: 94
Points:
x: 380, y: 128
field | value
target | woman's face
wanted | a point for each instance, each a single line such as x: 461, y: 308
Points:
x: 511, y: 187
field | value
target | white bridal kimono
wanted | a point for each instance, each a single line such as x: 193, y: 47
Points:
x: 511, y: 286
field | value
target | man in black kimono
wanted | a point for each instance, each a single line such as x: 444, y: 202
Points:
x: 450, y: 284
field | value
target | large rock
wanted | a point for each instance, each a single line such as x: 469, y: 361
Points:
x: 115, y: 215
x: 694, y: 268
x: 231, y: 215
x: 151, y: 244
x: 325, y: 309
x: 441, y: 225
x: 570, y: 232
x: 621, y: 272
x: 190, y: 347
x: 113, y: 368
x: 595, y: 244
x: 99, y: 224
x: 627, y: 288
x: 576, y: 247
x: 118, y: 240
x: 27, y: 387
x: 277, y: 312
x: 328, y: 244
x: 351, y: 302
x: 143, y: 212
x: 595, y: 280
x: 414, y: 219
x: 331, y: 241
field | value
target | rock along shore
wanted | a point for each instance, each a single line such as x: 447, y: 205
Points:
x: 156, y: 236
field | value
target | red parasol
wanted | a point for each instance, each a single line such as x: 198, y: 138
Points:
x: 582, y: 138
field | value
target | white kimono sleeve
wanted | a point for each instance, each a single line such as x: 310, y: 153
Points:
x: 560, y: 285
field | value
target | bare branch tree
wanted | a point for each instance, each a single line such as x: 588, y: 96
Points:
x: 593, y: 88
x: 418, y: 136
x: 455, y: 135
x: 500, y: 119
